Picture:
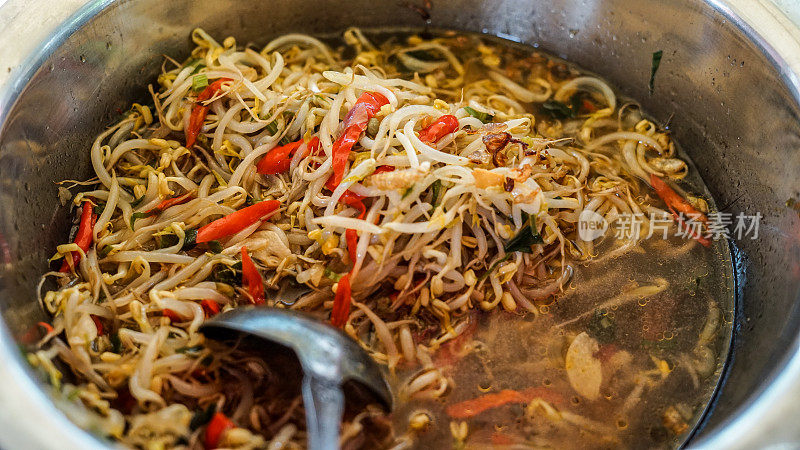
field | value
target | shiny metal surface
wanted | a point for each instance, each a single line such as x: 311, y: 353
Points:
x: 732, y: 99
x: 328, y: 358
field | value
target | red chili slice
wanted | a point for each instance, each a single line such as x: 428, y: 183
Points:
x: 251, y: 278
x: 83, y: 238
x: 218, y: 425
x: 200, y: 111
x: 440, y: 128
x: 341, y: 303
x: 236, y: 221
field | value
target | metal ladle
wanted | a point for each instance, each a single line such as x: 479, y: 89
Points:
x: 328, y: 359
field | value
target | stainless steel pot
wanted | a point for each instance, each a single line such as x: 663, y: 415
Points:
x: 732, y: 99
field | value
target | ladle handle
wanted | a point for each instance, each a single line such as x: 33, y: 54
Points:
x: 324, y: 403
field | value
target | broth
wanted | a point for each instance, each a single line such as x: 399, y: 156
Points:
x: 519, y: 353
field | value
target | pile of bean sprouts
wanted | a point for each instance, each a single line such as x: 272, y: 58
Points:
x: 430, y: 248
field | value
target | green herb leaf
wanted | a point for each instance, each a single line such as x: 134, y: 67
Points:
x: 272, y: 127
x: 333, y: 275
x: 116, y: 343
x: 203, y: 416
x: 197, y: 68
x: 602, y: 327
x: 139, y: 215
x: 137, y: 202
x: 190, y: 350
x: 215, y: 246
x: 526, y: 237
x: 98, y: 208
x: 196, y: 63
x: 167, y: 240
x: 654, y: 68
x: 199, y: 82
x: 190, y: 239
x: 436, y: 189
x: 407, y: 192
x: 494, y: 266
x: 104, y: 251
x: 558, y: 110
x: 482, y: 116
x: 231, y: 275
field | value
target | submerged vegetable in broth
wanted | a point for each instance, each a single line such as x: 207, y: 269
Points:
x: 526, y: 253
x: 635, y: 373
